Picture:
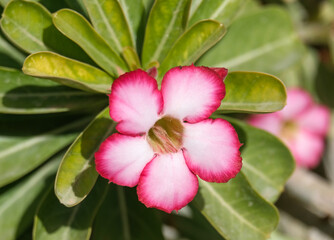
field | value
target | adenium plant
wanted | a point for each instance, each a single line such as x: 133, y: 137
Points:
x: 166, y: 137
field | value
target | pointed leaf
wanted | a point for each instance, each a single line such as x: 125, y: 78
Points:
x: 263, y: 41
x: 166, y: 22
x: 126, y: 217
x: 55, y: 221
x: 223, y: 11
x: 22, y: 152
x: 266, y: 161
x: 235, y: 210
x: 77, y: 28
x: 109, y: 21
x: 29, y: 25
x: 68, y: 72
x: 22, y: 94
x: 19, y: 202
x: 192, y: 44
x: 76, y: 174
x: 253, y: 92
x: 135, y: 14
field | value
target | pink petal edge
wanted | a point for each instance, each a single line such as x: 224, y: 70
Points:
x: 166, y: 183
x: 135, y: 102
x: 122, y: 158
x: 211, y: 150
x: 191, y: 93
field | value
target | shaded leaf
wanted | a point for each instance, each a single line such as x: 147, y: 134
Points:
x: 253, y: 92
x: 77, y: 28
x: 55, y: 221
x: 192, y: 44
x: 19, y: 203
x: 166, y: 22
x: 263, y: 41
x: 22, y: 94
x: 22, y: 152
x: 67, y: 72
x: 126, y: 217
x: 76, y: 174
x: 266, y: 161
x: 235, y: 210
x: 221, y: 10
x: 109, y: 21
x: 9, y: 55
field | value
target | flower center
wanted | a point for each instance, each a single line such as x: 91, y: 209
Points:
x: 166, y: 135
x: 289, y: 129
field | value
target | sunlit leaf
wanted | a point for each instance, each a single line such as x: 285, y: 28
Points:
x: 19, y: 203
x: 263, y: 41
x: 253, y: 92
x: 166, y: 22
x: 67, y: 72
x: 22, y: 94
x: 76, y: 174
x: 77, y: 28
x: 192, y: 44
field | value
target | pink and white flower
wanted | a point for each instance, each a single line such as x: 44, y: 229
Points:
x: 165, y: 137
x: 302, y: 125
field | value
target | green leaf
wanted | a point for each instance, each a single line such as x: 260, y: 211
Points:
x: 131, y: 58
x: 264, y: 41
x: 76, y: 174
x: 55, y: 221
x: 126, y: 217
x: 19, y: 202
x: 78, y: 6
x: 235, y: 210
x: 22, y: 94
x: 223, y: 11
x: 9, y: 55
x: 266, y: 161
x: 78, y: 29
x: 22, y: 152
x: 29, y: 25
x: 331, y: 44
x: 68, y: 72
x: 135, y: 14
x: 324, y: 85
x: 166, y: 22
x: 24, y: 23
x: 253, y: 92
x: 192, y: 44
x: 109, y: 21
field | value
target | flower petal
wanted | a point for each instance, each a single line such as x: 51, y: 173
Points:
x: 307, y: 148
x: 316, y: 119
x: 192, y: 93
x: 298, y: 101
x: 271, y: 122
x: 135, y: 102
x: 121, y: 158
x: 212, y: 150
x: 166, y: 183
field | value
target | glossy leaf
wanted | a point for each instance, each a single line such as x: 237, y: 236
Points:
x: 76, y: 174
x: 109, y: 21
x: 67, y: 72
x: 192, y: 44
x: 166, y: 22
x: 24, y: 33
x: 77, y: 28
x: 223, y: 11
x: 22, y: 94
x: 126, y: 217
x: 263, y: 41
x: 235, y: 210
x: 253, y: 92
x: 21, y: 152
x: 266, y: 161
x: 19, y: 202
x: 55, y: 221
x: 135, y: 14
x: 29, y: 25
